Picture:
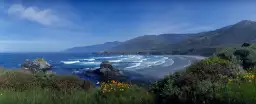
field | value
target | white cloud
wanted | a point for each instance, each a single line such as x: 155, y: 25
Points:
x: 43, y: 16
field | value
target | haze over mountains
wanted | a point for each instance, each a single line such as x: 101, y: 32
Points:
x: 94, y: 48
x: 141, y: 43
x: 244, y: 31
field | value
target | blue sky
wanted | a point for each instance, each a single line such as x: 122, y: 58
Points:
x: 54, y: 25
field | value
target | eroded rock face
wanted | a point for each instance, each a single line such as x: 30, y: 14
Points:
x: 106, y: 72
x: 35, y: 66
x: 106, y: 64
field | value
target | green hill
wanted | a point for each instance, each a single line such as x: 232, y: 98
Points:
x: 209, y: 42
x: 148, y: 42
x: 204, y: 43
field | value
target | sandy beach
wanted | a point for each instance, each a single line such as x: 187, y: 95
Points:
x: 179, y: 62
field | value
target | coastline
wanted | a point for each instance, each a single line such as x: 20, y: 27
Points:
x: 180, y: 63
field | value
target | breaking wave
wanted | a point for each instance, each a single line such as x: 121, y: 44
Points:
x: 126, y: 62
x: 69, y: 62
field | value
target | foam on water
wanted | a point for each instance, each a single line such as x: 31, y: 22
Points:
x: 134, y: 66
x: 115, y: 60
x: 87, y: 59
x: 126, y: 62
x: 145, y: 62
x: 90, y: 63
x: 169, y: 62
x: 132, y: 58
x: 103, y: 57
x: 69, y: 62
x: 96, y: 67
x: 91, y: 59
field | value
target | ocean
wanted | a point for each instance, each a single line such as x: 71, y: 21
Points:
x: 67, y: 63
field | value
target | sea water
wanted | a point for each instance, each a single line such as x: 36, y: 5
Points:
x: 66, y: 63
x: 76, y: 63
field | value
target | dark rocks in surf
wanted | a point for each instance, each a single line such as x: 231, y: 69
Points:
x: 36, y: 66
x: 106, y: 66
x: 107, y: 72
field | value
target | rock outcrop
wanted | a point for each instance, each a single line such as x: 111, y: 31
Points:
x: 106, y: 72
x: 35, y: 66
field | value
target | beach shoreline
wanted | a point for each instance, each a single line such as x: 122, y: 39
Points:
x: 180, y: 63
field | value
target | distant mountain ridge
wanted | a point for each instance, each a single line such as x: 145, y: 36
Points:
x: 206, y: 43
x: 94, y: 48
x: 196, y: 43
x: 141, y: 43
x: 148, y: 42
x: 244, y: 31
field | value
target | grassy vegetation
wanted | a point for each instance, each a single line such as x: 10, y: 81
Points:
x: 198, y: 84
x: 19, y: 87
x: 243, y: 55
x: 228, y: 77
x: 48, y: 96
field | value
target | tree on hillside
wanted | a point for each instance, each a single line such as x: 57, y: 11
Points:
x: 246, y: 45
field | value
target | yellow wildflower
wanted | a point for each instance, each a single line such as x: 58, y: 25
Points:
x: 113, y: 81
x: 229, y: 80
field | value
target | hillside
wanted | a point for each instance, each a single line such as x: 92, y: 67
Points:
x: 142, y: 43
x: 241, y: 32
x: 149, y: 42
x: 94, y: 48
x: 244, y: 31
x: 204, y: 43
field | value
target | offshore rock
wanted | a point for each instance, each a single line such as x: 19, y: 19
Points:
x: 35, y: 66
x: 106, y: 72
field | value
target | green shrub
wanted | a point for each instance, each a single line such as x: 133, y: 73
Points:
x: 131, y: 95
x: 213, y: 68
x: 165, y: 91
x: 241, y: 90
x: 244, y: 55
x: 246, y: 45
x: 241, y: 53
x: 134, y: 95
x: 237, y: 93
x: 198, y: 84
x: 16, y: 80
x: 20, y: 80
x: 44, y: 96
x: 67, y: 82
x: 19, y: 87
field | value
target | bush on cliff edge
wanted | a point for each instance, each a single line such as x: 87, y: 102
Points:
x: 197, y: 84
